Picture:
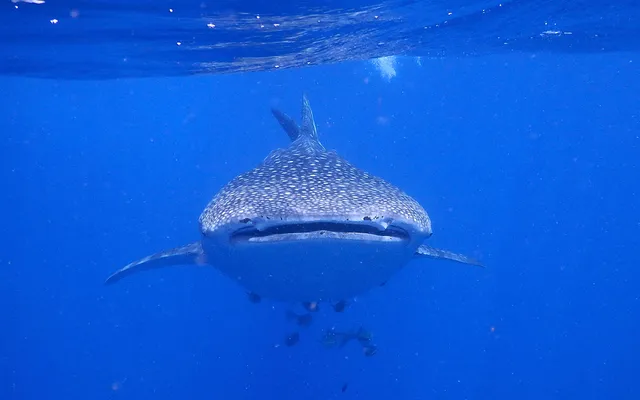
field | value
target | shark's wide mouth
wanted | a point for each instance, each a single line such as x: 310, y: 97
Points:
x: 319, y: 230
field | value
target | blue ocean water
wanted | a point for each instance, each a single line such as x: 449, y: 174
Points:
x: 525, y: 155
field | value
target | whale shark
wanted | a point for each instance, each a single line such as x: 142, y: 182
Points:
x: 305, y: 225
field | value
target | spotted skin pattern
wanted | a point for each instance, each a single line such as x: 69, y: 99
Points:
x: 307, y: 182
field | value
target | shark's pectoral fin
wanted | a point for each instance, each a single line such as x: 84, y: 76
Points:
x: 190, y: 254
x: 432, y: 252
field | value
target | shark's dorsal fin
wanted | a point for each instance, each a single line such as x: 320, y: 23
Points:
x: 308, y: 127
x: 288, y: 124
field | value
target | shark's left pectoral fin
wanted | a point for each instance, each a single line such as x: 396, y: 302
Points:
x: 190, y: 254
x: 432, y: 252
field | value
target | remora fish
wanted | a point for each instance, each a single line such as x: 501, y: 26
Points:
x: 305, y: 225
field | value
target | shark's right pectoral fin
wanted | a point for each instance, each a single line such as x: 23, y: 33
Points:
x: 432, y: 252
x: 190, y: 254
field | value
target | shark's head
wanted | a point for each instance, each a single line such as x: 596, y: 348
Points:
x: 307, y: 193
x: 306, y: 199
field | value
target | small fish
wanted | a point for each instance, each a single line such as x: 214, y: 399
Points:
x: 292, y: 339
x: 332, y: 338
x: 344, y: 387
x: 301, y: 320
x: 340, y: 306
x: 311, y: 306
x: 254, y: 298
x: 364, y: 336
x: 369, y: 350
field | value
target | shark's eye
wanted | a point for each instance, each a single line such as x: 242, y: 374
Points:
x: 366, y: 219
x: 245, y: 221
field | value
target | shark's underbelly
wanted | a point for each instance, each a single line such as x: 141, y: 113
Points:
x: 309, y: 270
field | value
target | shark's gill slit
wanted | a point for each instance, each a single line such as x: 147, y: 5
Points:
x: 308, y: 227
